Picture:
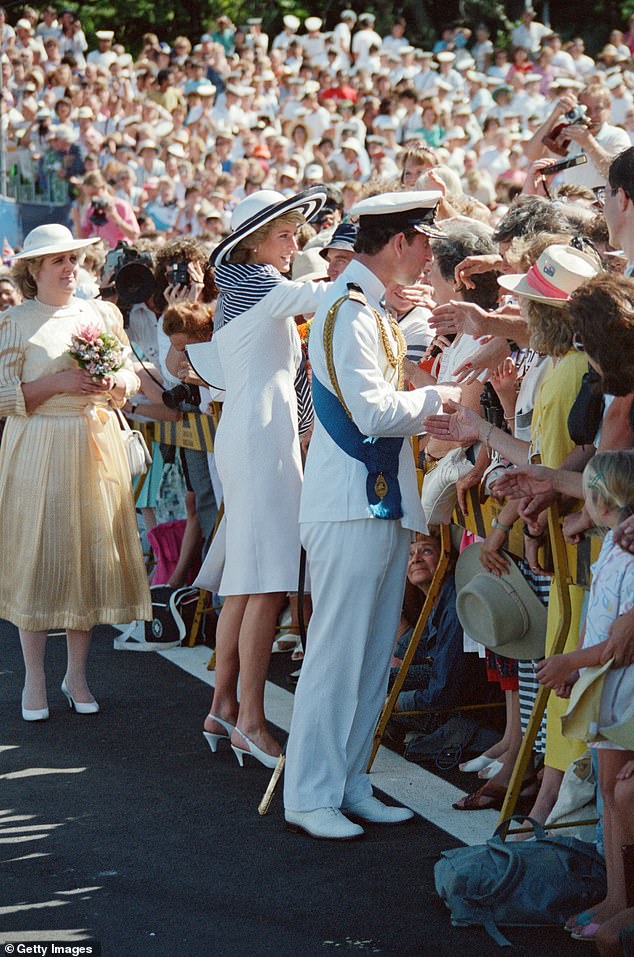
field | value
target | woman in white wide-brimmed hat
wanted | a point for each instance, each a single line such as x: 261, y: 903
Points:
x: 71, y: 555
x: 255, y: 356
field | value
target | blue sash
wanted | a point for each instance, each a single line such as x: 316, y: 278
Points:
x: 379, y: 455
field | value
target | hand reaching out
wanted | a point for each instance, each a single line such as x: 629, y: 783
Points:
x: 457, y: 316
x: 460, y: 425
x: 482, y: 362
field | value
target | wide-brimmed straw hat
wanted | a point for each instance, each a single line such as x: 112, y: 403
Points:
x: 49, y: 239
x: 554, y: 277
x: 583, y: 719
x: 503, y: 613
x: 263, y: 207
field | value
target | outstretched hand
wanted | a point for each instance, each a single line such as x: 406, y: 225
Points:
x: 460, y: 425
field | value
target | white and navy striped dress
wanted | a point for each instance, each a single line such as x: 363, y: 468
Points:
x: 258, y: 353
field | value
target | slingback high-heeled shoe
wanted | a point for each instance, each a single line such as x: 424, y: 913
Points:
x: 81, y: 707
x: 268, y: 760
x: 212, y: 739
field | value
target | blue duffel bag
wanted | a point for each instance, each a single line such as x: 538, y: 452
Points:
x: 538, y: 882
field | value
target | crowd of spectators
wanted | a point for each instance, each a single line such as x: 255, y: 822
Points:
x: 158, y: 151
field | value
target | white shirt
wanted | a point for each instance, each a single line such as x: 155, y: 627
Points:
x: 612, y: 139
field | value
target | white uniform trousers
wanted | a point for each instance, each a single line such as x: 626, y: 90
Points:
x: 358, y: 571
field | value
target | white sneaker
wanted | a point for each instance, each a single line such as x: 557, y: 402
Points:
x: 373, y: 811
x: 324, y: 823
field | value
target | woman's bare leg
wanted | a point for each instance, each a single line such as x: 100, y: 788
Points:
x: 225, y: 700
x: 256, y: 638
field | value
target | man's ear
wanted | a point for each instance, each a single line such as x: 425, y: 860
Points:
x: 623, y: 198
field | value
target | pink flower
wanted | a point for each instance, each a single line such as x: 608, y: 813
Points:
x: 89, y: 333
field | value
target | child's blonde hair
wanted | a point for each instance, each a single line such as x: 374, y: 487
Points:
x: 609, y: 477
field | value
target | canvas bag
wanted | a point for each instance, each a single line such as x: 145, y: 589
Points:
x: 519, y: 884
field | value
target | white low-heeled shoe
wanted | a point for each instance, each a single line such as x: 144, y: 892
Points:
x: 213, y: 740
x: 373, y: 811
x: 323, y: 823
x: 476, y: 764
x: 34, y: 714
x: 491, y: 770
x: 81, y: 707
x: 268, y: 760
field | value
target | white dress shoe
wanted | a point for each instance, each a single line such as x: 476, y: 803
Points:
x: 373, y: 811
x: 325, y: 823
x: 34, y: 714
x: 80, y: 707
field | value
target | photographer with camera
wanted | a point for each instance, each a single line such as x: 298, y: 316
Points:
x: 108, y: 216
x: 574, y: 128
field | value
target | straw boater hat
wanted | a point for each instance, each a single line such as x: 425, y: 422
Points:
x: 263, y: 207
x: 51, y: 238
x: 554, y: 277
x: 503, y: 613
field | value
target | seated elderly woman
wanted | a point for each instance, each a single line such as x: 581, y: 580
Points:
x: 442, y: 675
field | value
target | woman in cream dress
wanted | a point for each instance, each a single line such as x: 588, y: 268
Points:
x: 71, y: 556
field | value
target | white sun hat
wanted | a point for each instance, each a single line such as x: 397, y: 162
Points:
x: 554, y: 276
x: 263, y: 207
x: 49, y: 239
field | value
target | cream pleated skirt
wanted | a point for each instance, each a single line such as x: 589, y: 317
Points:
x: 70, y: 555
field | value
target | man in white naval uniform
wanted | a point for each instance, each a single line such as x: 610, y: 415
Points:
x: 357, y: 522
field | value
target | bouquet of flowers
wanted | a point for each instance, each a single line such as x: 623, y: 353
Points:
x: 97, y: 351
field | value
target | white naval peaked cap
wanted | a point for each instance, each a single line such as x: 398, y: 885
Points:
x: 312, y: 23
x: 291, y: 21
x: 412, y: 208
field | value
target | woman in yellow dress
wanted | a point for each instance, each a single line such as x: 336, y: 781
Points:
x: 71, y: 556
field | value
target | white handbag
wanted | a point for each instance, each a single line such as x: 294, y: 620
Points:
x: 136, y: 450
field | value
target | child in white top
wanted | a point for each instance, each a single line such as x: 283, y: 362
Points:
x: 608, y: 482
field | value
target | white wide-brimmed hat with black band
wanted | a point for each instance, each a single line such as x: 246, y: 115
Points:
x: 503, y: 613
x: 263, y: 207
x: 554, y: 277
x: 407, y: 209
x: 50, y: 239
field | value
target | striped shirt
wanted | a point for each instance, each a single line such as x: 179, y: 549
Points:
x: 242, y: 286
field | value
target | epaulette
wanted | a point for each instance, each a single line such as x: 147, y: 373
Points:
x: 356, y: 294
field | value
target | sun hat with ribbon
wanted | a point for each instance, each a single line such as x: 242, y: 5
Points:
x: 554, y: 276
x: 261, y: 208
x: 503, y: 613
x: 49, y: 239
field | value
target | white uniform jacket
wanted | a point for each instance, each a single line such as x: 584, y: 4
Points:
x: 335, y: 483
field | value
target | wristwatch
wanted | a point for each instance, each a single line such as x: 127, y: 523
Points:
x: 496, y: 523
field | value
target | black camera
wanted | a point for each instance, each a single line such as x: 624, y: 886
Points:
x: 98, y: 207
x: 178, y: 274
x: 181, y: 394
x: 43, y: 128
x: 132, y: 272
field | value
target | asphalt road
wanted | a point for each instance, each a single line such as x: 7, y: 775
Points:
x: 123, y: 828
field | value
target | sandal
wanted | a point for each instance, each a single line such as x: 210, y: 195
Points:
x: 488, y: 797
